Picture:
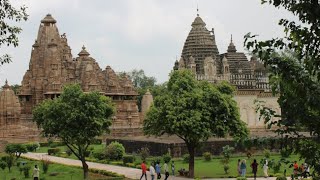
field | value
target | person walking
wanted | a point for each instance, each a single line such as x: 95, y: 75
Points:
x: 265, y: 169
x: 152, y: 171
x: 172, y: 168
x: 238, y: 167
x: 158, y: 170
x: 144, y: 170
x: 36, y: 173
x: 254, y: 167
x: 243, y: 168
x: 166, y: 170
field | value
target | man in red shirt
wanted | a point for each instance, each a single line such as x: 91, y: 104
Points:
x: 144, y: 170
x: 295, y: 168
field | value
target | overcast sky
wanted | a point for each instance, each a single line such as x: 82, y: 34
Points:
x: 139, y: 34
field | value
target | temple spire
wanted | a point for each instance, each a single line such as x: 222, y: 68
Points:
x: 197, y: 9
x: 232, y: 47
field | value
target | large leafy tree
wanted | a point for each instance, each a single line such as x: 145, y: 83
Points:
x: 194, y: 111
x: 294, y: 62
x: 76, y: 118
x: 8, y: 31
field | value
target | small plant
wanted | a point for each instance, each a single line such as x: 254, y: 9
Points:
x: 128, y: 159
x: 207, y: 156
x: 226, y: 168
x: 3, y: 164
x: 186, y: 158
x: 45, y: 165
x: 114, y: 151
x: 26, y: 171
x: 166, y: 158
x: 31, y: 147
x: 266, y: 153
x: 144, y: 153
x: 98, y: 155
x: 53, y: 151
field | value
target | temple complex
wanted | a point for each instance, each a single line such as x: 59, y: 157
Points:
x: 200, y: 54
x: 51, y: 67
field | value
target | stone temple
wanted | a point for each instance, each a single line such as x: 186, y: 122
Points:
x: 51, y: 67
x: 200, y: 54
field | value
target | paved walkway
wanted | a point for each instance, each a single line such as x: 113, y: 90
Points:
x: 131, y: 173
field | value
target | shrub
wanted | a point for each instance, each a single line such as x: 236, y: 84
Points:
x: 226, y: 168
x: 68, y: 151
x: 281, y: 178
x: 31, y: 147
x: 128, y: 159
x: 45, y: 165
x: 3, y: 165
x: 53, y: 151
x: 114, y: 151
x: 285, y: 153
x: 207, y: 156
x: 144, y: 153
x: 15, y: 149
x: 26, y: 171
x: 166, y: 158
x: 97, y: 141
x: 186, y: 158
x: 266, y: 153
x: 156, y: 159
x: 9, y: 160
x: 98, y: 155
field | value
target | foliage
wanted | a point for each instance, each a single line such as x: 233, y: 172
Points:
x: 3, y: 164
x: 275, y: 165
x: 266, y: 153
x: 194, y: 111
x: 295, y: 74
x: 76, y: 118
x: 128, y: 159
x: 54, y: 151
x: 45, y: 165
x: 281, y: 178
x: 15, y: 150
x: 68, y: 151
x: 9, y: 160
x: 97, y: 141
x: 114, y: 151
x: 207, y: 156
x: 226, y: 152
x: 186, y: 158
x: 166, y: 158
x: 226, y: 168
x: 26, y: 171
x: 98, y: 155
x: 8, y: 31
x: 31, y: 147
x: 144, y: 153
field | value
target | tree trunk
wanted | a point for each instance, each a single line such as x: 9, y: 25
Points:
x: 191, y: 160
x: 85, y: 168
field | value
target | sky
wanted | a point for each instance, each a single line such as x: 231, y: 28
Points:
x: 139, y: 34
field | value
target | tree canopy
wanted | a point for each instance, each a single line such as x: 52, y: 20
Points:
x: 8, y: 31
x: 76, y: 118
x: 294, y: 67
x: 194, y: 111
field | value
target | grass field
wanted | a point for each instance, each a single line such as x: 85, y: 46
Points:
x: 211, y: 169
x: 55, y: 172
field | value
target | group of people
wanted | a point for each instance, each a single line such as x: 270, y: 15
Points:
x: 242, y: 168
x: 155, y: 170
x: 303, y: 170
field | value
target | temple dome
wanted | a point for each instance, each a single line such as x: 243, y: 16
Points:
x: 199, y: 44
x: 10, y: 108
x: 48, y: 19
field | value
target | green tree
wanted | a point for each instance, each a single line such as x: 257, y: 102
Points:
x: 15, y: 150
x: 9, y: 32
x: 141, y: 82
x: 9, y: 160
x: 294, y: 66
x: 76, y: 118
x: 194, y: 111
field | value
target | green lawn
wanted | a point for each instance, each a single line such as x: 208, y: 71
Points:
x: 60, y: 172
x: 214, y: 168
x: 211, y: 169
